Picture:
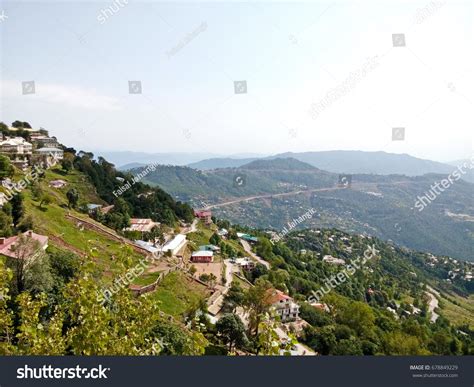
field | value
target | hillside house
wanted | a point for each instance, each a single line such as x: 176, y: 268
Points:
x: 42, y: 141
x: 141, y: 225
x: 222, y: 232
x: 175, y: 245
x: 333, y: 260
x: 321, y: 306
x: 247, y: 237
x: 7, y: 245
x: 209, y: 248
x: 284, y: 306
x: 18, y: 150
x: 245, y: 263
x: 54, y: 153
x: 57, y: 183
x: 202, y: 257
x: 204, y: 215
x: 107, y: 209
x: 91, y: 207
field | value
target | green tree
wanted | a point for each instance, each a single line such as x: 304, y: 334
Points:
x: 72, y: 197
x: 351, y: 346
x: 233, y: 298
x: 45, y: 199
x: 398, y: 343
x: 264, y: 248
x: 66, y: 164
x: 26, y: 251
x: 5, y: 224
x: 215, y: 239
x: 232, y: 330
x: 6, y: 168
x: 322, y: 340
x: 18, y: 209
x: 358, y: 316
x: 257, y: 303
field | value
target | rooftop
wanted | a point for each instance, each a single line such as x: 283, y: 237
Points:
x: 143, y: 225
x: 175, y: 242
x: 202, y: 254
x: 6, y: 244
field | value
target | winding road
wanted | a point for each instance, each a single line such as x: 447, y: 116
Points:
x: 249, y: 251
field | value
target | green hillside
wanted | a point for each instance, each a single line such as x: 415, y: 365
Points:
x: 382, y: 206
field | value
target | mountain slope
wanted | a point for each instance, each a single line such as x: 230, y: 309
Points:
x: 384, y: 206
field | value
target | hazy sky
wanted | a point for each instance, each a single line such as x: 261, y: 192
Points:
x: 82, y: 55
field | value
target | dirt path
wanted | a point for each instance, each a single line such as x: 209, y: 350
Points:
x: 59, y: 242
x: 215, y: 303
x: 433, y: 304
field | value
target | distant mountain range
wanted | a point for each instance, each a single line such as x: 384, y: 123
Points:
x: 269, y: 193
x: 124, y: 158
x: 348, y: 162
x: 351, y: 162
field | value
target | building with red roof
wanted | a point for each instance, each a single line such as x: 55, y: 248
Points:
x: 7, y: 245
x: 202, y: 256
x: 204, y: 215
x: 284, y: 305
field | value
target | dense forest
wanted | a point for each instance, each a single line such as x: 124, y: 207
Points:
x: 139, y: 200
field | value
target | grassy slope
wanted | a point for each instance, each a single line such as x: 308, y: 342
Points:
x: 176, y: 293
x: 51, y: 219
x: 456, y: 314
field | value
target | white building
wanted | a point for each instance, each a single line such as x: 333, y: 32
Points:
x: 333, y: 260
x: 176, y: 244
x: 285, y: 306
x: 18, y: 150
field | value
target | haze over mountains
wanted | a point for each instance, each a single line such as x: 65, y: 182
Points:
x: 351, y: 162
x: 380, y: 163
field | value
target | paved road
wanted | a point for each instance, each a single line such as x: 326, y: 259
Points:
x: 356, y: 186
x: 192, y: 228
x: 299, y: 350
x: 275, y: 195
x: 249, y: 251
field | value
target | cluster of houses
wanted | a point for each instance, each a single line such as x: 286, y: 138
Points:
x: 23, y: 153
